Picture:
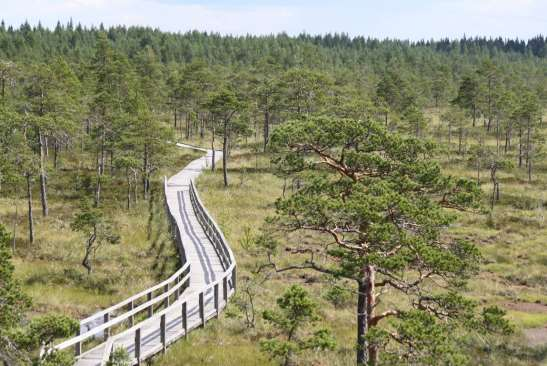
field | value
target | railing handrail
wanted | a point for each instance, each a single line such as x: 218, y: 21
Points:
x: 195, y: 147
x: 219, y: 242
x: 154, y: 319
x: 121, y: 318
x: 216, y: 228
x: 182, y: 299
x: 127, y: 301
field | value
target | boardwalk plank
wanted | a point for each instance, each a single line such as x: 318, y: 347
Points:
x: 205, y: 268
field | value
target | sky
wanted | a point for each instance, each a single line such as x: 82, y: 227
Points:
x: 403, y: 19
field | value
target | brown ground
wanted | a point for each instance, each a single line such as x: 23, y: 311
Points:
x: 535, y: 336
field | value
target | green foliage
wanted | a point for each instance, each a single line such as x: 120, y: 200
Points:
x: 13, y: 302
x: 338, y: 296
x: 49, y: 327
x: 297, y: 312
x: 100, y: 100
x: 91, y: 222
x: 119, y: 357
x: 386, y: 204
x: 56, y: 358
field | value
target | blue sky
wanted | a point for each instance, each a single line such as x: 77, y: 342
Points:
x: 406, y: 19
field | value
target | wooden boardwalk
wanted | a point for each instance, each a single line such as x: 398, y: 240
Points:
x: 196, y: 293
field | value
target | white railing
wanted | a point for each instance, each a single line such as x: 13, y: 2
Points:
x: 211, y: 229
x: 171, y: 297
x: 106, y: 327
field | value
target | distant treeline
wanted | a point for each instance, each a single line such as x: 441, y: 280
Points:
x: 77, y: 43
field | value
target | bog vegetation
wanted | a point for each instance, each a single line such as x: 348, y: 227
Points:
x: 384, y: 198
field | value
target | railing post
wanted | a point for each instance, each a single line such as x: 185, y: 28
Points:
x: 138, y: 346
x: 165, y: 290
x: 110, y: 351
x: 177, y: 282
x: 185, y: 319
x: 215, y: 291
x: 107, y: 330
x: 132, y: 318
x: 78, y: 346
x: 234, y: 278
x: 201, y: 310
x: 162, y: 333
x: 225, y: 289
x: 151, y: 307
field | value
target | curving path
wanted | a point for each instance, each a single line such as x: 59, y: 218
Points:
x: 189, y: 298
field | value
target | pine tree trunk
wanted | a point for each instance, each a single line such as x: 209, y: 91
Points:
x: 528, y: 133
x: 520, y: 147
x: 128, y: 189
x: 145, y: 172
x: 55, y: 154
x: 489, y: 104
x: 98, y: 186
x: 498, y: 136
x: 530, y: 171
x: 213, y: 151
x: 43, y: 182
x: 112, y: 168
x: 361, y: 323
x: 474, y: 115
x: 371, y: 304
x: 479, y: 170
x: 508, y: 136
x: 100, y: 168
x: 495, y: 189
x: 175, y: 115
x: 225, y: 154
x: 14, y: 238
x: 135, y: 187
x: 29, y: 199
x: 88, y: 249
x: 188, y: 125
x: 460, y: 140
x: 266, y: 129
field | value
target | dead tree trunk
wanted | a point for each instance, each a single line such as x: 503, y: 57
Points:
x: 371, y: 304
x: 362, y: 320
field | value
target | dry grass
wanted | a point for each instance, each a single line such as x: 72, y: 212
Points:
x: 512, y: 241
x: 50, y: 269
